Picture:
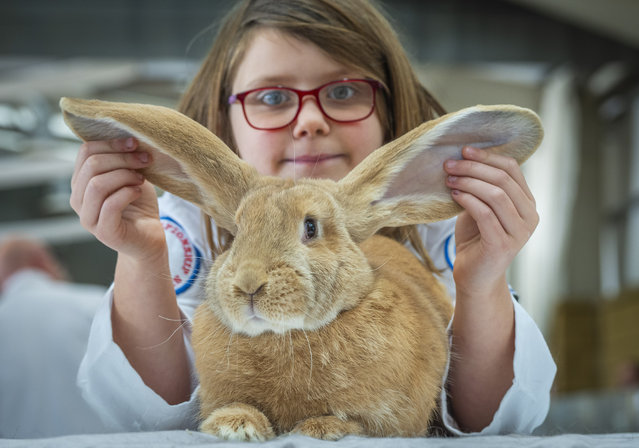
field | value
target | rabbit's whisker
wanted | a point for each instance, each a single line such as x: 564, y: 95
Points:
x: 237, y: 358
x: 167, y: 339
x: 183, y: 320
x: 292, y: 353
x: 381, y: 265
x: 314, y: 166
x: 163, y: 276
x: 290, y: 129
x: 228, y: 351
x: 310, y: 351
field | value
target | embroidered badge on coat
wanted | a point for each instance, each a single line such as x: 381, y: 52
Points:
x: 185, y: 257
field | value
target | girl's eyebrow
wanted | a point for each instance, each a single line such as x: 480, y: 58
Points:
x: 289, y: 80
x: 275, y: 80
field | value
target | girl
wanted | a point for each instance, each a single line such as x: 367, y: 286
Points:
x: 138, y: 368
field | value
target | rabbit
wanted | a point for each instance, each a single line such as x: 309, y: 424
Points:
x: 313, y: 323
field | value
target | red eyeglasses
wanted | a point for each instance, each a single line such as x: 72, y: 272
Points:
x: 345, y: 101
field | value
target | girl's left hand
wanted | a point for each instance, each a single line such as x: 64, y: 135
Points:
x: 498, y: 219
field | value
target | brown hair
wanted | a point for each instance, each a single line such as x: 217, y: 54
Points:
x: 353, y: 32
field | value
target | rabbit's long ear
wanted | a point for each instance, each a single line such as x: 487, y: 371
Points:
x: 403, y: 182
x: 187, y: 159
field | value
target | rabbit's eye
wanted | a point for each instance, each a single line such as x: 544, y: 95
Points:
x: 310, y: 228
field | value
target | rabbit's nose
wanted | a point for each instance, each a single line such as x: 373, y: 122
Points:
x: 249, y: 280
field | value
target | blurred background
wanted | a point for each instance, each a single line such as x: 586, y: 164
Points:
x: 575, y: 62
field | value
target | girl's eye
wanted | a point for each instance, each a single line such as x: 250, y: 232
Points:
x: 341, y: 92
x: 310, y: 228
x: 273, y: 97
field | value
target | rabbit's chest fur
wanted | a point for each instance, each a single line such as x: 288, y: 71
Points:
x: 380, y: 363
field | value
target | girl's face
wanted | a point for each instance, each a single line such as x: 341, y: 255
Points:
x: 313, y: 145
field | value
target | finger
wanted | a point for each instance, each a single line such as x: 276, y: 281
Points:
x: 504, y: 163
x: 490, y: 228
x: 110, y: 216
x: 87, y: 149
x: 98, y: 164
x: 499, y: 202
x: 100, y: 188
x: 497, y: 177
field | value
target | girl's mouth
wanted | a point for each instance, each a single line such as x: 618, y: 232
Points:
x: 313, y: 159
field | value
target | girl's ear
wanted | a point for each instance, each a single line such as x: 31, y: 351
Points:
x: 187, y: 159
x: 403, y: 182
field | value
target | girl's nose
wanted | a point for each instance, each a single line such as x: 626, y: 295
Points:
x: 310, y: 120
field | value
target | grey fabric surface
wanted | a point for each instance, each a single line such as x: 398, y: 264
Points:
x: 164, y: 439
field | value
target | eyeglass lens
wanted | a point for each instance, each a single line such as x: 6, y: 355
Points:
x: 341, y: 101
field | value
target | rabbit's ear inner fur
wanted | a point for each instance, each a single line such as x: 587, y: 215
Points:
x: 187, y: 159
x: 403, y: 182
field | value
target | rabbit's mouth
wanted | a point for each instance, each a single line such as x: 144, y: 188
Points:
x: 255, y: 326
x: 253, y: 323
x: 254, y: 316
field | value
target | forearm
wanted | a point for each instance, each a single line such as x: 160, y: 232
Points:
x: 481, y: 369
x: 147, y: 325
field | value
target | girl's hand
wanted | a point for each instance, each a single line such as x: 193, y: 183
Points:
x: 117, y: 205
x: 498, y: 219
x: 113, y: 200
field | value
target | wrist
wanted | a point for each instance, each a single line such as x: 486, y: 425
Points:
x: 146, y: 271
x: 488, y: 311
x: 483, y: 290
x: 152, y: 255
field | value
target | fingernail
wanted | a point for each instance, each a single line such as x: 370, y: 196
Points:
x: 143, y: 157
x: 471, y: 151
x: 451, y: 163
x: 129, y: 143
x: 452, y: 179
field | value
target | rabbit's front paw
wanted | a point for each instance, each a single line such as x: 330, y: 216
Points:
x: 328, y: 427
x: 238, y: 421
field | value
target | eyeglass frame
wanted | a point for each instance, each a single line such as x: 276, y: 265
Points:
x: 239, y: 97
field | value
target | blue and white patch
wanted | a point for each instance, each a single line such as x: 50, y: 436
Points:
x: 185, y: 257
x: 450, y: 251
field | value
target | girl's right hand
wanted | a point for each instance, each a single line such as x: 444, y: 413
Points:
x: 114, y: 201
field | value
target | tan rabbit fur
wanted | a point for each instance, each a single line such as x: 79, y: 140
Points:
x: 311, y: 323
